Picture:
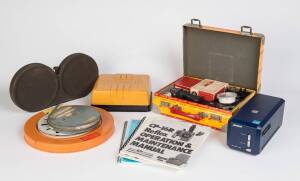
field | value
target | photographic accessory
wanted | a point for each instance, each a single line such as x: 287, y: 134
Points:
x: 76, y: 134
x: 208, y: 89
x: 36, y: 86
x: 227, y: 97
x: 49, y: 131
x: 74, y: 119
x: 66, y: 128
x: 122, y: 92
x: 255, y: 124
x: 182, y: 94
x: 214, y: 53
x: 186, y: 83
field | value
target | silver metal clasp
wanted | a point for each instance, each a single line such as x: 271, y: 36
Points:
x: 195, y: 21
x: 246, y: 30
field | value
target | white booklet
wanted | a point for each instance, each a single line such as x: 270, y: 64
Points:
x: 165, y: 141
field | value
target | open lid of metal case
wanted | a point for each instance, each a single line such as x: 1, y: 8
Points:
x: 229, y: 56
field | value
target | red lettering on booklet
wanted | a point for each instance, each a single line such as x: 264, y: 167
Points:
x: 90, y: 136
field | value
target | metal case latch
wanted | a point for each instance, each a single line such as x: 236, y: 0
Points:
x: 246, y: 30
x: 196, y: 22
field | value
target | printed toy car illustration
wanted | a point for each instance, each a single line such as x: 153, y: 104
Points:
x: 206, y: 88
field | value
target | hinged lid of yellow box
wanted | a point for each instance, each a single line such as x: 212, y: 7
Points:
x: 229, y: 56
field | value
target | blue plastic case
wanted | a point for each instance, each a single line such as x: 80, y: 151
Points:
x: 254, y: 125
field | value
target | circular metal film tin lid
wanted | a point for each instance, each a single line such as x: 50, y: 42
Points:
x: 74, y: 119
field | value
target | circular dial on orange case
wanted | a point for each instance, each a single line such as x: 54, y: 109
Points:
x: 91, y: 139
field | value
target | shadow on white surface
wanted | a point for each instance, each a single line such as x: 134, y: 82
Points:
x: 218, y: 136
x: 6, y: 102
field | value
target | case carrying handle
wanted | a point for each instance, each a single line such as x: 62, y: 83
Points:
x: 246, y: 30
x: 195, y: 21
x: 177, y: 110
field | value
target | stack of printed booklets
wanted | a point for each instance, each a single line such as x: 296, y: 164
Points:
x: 159, y: 140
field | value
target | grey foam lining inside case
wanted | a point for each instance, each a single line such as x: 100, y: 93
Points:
x: 222, y: 56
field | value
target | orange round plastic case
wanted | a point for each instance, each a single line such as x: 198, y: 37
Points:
x: 73, y: 144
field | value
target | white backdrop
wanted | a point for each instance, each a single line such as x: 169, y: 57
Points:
x: 145, y: 37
